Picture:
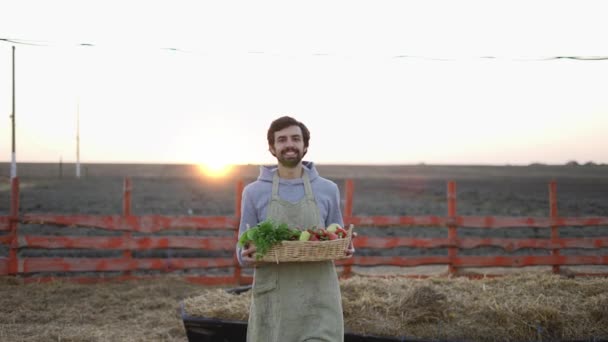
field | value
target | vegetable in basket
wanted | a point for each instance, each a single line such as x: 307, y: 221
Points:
x: 335, y: 228
x: 267, y: 234
x: 332, y: 232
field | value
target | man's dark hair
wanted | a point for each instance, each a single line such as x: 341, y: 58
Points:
x: 284, y: 122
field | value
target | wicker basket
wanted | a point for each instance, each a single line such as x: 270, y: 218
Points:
x: 301, y: 251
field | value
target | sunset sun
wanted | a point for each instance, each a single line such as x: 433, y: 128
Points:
x: 215, y: 169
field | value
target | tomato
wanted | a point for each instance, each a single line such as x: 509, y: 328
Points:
x: 322, y: 234
x: 341, y: 232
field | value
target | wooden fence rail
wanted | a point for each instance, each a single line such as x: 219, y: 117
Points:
x: 135, y: 228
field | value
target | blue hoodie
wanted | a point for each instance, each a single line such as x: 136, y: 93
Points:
x: 256, y: 197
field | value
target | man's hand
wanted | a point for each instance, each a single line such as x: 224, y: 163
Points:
x: 248, y: 254
x: 350, y: 250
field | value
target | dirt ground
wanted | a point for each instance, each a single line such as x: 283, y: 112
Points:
x: 378, y: 190
x: 125, y: 312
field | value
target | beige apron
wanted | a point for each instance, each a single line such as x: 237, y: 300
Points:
x: 295, y: 301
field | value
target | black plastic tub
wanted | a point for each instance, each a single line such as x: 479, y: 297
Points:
x: 201, y: 329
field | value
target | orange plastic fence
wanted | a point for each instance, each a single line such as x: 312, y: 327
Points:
x: 128, y: 224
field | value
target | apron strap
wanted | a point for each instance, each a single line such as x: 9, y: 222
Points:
x: 307, y: 186
x: 275, y: 186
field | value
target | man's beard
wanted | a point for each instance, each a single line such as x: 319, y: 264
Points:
x: 290, y: 162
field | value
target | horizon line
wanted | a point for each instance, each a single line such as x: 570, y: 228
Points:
x: 568, y: 163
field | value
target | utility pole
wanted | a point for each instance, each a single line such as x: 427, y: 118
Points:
x: 13, y: 155
x: 78, y: 139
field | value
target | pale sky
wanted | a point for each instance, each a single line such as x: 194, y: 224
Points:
x: 334, y: 65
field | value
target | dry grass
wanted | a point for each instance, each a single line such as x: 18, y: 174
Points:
x: 217, y: 303
x: 525, y: 307
x: 127, y: 311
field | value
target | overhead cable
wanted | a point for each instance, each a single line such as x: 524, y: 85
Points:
x: 315, y: 54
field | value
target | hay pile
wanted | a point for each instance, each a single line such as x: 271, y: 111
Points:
x: 520, y: 307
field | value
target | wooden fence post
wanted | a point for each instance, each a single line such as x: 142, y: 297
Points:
x: 553, y: 214
x: 452, y: 230
x: 13, y: 262
x: 237, y: 211
x: 126, y: 213
x: 349, y: 189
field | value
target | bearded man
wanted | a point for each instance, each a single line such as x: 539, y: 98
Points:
x: 294, y: 301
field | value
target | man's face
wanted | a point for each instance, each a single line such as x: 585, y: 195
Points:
x: 288, y: 146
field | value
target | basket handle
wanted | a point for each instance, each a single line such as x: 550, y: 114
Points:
x: 349, y: 232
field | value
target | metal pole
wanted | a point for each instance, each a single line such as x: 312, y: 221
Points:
x: 78, y: 139
x: 13, y: 154
x: 13, y: 261
x: 349, y: 191
x: 554, y: 229
x: 237, y: 210
x: 452, y: 232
